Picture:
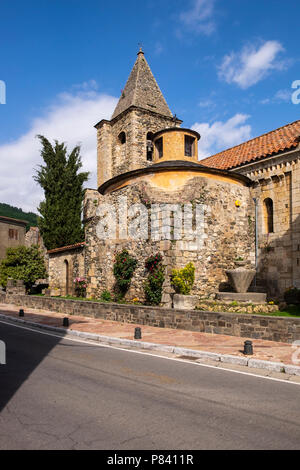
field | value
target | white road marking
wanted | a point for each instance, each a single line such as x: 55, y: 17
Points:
x: 94, y: 343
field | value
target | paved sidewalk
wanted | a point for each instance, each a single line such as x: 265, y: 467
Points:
x: 221, y: 344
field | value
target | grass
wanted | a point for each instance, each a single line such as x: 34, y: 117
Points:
x: 89, y: 299
x: 290, y: 311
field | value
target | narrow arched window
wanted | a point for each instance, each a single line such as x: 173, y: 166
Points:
x: 149, y: 146
x: 67, y: 276
x: 189, y: 146
x: 268, y: 215
x: 122, y: 138
x: 159, y: 147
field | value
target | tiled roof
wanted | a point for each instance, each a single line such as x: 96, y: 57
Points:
x: 66, y: 248
x: 13, y: 221
x: 283, y: 138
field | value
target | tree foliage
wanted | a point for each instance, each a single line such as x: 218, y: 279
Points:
x: 60, y: 222
x: 7, y: 210
x: 24, y: 263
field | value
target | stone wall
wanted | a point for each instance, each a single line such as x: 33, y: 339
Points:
x: 280, y: 329
x: 226, y: 232
x: 114, y: 157
x: 278, y: 178
x: 64, y: 267
x: 33, y: 237
x: 15, y: 287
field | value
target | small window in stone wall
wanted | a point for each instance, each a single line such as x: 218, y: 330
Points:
x: 122, y: 138
x: 189, y: 147
x: 149, y: 146
x: 159, y: 147
x: 268, y: 215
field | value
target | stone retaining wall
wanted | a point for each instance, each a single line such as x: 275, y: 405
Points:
x: 282, y: 329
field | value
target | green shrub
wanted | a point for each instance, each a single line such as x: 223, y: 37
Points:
x: 124, y: 268
x: 153, y: 284
x: 106, y: 296
x: 292, y: 295
x: 183, y: 279
x: 80, y: 286
x: 24, y: 263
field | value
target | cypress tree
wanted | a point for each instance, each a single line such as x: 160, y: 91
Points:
x: 60, y: 221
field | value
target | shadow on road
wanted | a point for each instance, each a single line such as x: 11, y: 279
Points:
x: 25, y: 350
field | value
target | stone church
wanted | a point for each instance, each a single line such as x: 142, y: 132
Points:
x: 154, y: 195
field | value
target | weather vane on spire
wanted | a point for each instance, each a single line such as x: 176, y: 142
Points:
x: 141, y: 47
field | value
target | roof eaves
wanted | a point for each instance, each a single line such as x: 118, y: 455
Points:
x: 66, y: 248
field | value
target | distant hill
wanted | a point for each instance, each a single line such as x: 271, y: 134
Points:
x: 16, y: 213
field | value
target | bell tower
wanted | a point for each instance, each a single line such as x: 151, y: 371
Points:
x: 125, y: 142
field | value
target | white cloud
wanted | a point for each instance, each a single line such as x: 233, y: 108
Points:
x: 284, y: 95
x: 199, y: 17
x: 207, y: 103
x: 222, y: 135
x: 251, y: 64
x: 71, y: 120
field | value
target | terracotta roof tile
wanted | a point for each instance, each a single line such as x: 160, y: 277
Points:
x: 283, y: 138
x: 13, y: 221
x: 65, y: 248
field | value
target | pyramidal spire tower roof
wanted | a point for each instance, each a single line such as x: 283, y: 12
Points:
x: 142, y: 90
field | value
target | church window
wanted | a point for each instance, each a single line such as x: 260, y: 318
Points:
x: 268, y: 215
x: 122, y: 138
x: 159, y: 147
x: 67, y: 276
x: 149, y: 146
x: 189, y: 146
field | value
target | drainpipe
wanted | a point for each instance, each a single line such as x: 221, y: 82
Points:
x: 256, y: 239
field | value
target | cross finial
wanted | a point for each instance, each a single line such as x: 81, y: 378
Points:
x: 141, y: 48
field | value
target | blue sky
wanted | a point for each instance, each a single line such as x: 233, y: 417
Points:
x: 225, y: 68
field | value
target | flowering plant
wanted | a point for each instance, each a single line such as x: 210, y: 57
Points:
x: 124, y: 268
x: 80, y: 286
x: 153, y: 284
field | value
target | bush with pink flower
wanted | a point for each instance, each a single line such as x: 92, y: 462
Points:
x: 80, y: 286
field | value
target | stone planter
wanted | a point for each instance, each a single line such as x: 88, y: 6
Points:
x: 185, y: 302
x: 55, y: 292
x: 240, y: 263
x: 240, y: 278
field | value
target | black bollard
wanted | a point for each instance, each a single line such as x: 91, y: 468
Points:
x: 248, y: 348
x: 21, y: 312
x: 66, y: 321
x: 137, y: 333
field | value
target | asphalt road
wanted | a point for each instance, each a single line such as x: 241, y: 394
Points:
x: 62, y: 394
